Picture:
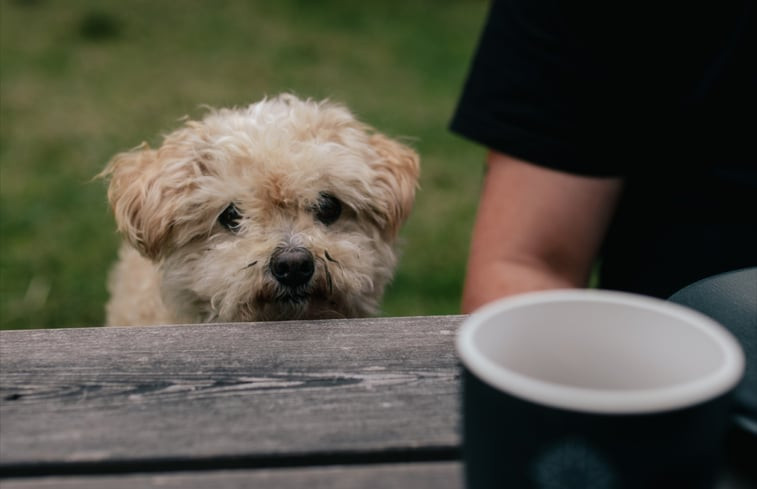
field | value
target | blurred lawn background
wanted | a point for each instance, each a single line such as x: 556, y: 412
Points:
x: 81, y: 80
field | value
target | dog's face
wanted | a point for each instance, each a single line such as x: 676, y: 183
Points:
x: 285, y: 209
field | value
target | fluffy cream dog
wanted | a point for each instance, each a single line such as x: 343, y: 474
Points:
x: 285, y: 209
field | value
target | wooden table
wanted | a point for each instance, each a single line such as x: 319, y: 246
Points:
x: 369, y: 403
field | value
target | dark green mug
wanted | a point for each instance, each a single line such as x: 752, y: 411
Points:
x: 594, y: 390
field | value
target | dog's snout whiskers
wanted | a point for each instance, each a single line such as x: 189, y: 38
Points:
x: 329, y: 280
x: 329, y: 258
x: 327, y: 272
x: 250, y: 265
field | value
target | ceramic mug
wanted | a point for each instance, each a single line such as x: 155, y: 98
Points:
x: 594, y: 389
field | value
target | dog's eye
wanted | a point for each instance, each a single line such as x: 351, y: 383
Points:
x: 328, y: 209
x: 229, y: 218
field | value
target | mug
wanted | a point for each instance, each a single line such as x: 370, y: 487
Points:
x: 594, y: 389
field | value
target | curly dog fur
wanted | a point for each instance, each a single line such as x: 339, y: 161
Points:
x: 286, y: 209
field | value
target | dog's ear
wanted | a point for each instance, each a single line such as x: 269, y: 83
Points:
x: 144, y: 198
x: 398, y: 169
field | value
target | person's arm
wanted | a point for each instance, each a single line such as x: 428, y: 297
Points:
x: 535, y: 229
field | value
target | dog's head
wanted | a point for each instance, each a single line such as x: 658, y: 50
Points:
x: 284, y: 209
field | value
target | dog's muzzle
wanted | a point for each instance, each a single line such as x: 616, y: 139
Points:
x: 292, y: 267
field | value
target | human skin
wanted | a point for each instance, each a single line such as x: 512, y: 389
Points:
x: 535, y: 229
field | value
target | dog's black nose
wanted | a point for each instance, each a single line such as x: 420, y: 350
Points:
x: 292, y: 266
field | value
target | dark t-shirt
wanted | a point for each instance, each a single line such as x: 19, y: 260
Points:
x: 659, y: 93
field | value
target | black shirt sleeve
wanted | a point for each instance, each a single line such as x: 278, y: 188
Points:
x: 537, y: 88
x: 597, y: 88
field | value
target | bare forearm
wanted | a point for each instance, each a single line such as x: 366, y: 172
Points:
x: 487, y: 282
x: 535, y: 229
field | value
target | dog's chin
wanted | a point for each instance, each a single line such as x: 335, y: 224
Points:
x: 288, y: 303
x: 292, y: 297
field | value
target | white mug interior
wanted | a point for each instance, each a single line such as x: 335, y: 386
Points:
x: 600, y: 351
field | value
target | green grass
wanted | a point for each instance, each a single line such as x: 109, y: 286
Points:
x: 81, y: 80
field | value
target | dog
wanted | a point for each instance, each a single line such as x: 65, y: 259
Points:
x: 285, y: 209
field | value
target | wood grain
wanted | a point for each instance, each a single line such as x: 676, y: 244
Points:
x: 447, y: 475
x: 242, y: 394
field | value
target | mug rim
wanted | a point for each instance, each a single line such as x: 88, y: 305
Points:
x: 608, y: 401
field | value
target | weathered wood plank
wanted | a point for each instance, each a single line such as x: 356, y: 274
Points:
x: 96, y: 395
x: 438, y: 475
x: 447, y: 475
